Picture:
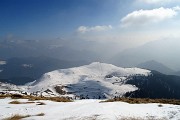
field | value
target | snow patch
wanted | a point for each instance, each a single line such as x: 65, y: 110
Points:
x: 2, y: 62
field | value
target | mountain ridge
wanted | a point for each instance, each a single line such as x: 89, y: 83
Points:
x: 164, y: 51
x: 102, y: 81
x: 157, y: 66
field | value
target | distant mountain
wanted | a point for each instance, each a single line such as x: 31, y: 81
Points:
x: 154, y: 65
x: 6, y: 87
x: 165, y: 51
x: 177, y: 73
x: 100, y: 80
x: 59, y: 49
x: 27, y: 69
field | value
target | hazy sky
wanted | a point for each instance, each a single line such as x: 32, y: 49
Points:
x: 126, y: 22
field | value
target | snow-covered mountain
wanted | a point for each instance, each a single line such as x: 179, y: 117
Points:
x: 9, y: 88
x: 97, y: 80
x: 101, y: 80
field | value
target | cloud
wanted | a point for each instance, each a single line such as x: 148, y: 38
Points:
x: 84, y: 29
x: 142, y: 17
x: 177, y: 8
x: 156, y: 1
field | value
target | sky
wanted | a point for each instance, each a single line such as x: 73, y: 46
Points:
x: 126, y: 22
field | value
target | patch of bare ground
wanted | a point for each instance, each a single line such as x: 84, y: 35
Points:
x: 145, y: 100
x: 17, y: 117
x: 40, y: 114
x: 33, y: 98
x: 18, y: 102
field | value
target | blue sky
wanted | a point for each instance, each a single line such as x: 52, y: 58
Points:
x: 50, y: 18
x: 128, y: 22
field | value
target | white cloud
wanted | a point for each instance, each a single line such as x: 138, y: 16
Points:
x: 142, y: 17
x: 156, y: 1
x: 177, y: 8
x: 84, y: 29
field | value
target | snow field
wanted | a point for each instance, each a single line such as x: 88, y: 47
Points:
x: 88, y: 110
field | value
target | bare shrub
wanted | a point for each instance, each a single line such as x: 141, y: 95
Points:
x: 17, y: 117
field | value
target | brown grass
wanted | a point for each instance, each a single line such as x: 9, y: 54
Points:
x: 145, y: 100
x: 15, y: 102
x: 40, y: 114
x: 18, y: 102
x: 17, y: 117
x: 2, y: 96
x: 13, y: 96
x: 56, y: 99
x: 16, y: 96
x: 33, y: 98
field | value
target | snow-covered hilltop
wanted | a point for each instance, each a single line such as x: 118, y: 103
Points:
x: 97, y: 80
x: 9, y: 88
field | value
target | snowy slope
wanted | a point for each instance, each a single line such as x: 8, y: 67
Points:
x: 9, y: 88
x: 89, y: 110
x: 97, y: 80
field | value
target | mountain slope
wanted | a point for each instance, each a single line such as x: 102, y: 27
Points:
x: 154, y: 65
x: 97, y: 80
x: 156, y: 85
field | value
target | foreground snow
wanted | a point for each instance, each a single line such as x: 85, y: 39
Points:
x: 89, y: 110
